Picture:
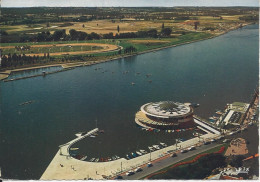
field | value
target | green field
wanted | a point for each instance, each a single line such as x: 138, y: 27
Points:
x: 140, y: 46
x: 51, y: 49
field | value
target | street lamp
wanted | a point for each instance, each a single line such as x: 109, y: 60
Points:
x: 150, y: 155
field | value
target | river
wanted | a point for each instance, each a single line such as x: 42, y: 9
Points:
x: 212, y: 73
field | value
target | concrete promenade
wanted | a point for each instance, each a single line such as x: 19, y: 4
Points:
x: 64, y: 167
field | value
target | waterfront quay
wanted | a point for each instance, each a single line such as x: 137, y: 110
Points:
x: 65, y: 167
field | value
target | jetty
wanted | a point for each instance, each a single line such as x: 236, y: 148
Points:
x: 65, y: 167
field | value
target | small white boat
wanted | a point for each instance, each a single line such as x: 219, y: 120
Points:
x: 195, y: 134
x: 92, y: 159
x: 117, y: 157
x: 97, y: 160
x: 78, y: 134
x: 143, y: 151
x: 133, y: 83
x: 156, y: 147
x: 92, y: 136
x: 83, y: 158
x: 74, y: 148
x: 151, y: 148
x: 163, y: 144
x: 139, y: 153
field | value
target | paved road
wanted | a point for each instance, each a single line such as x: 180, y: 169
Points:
x: 168, y: 161
x: 181, y: 156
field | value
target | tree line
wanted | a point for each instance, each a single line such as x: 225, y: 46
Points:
x: 14, y: 60
x: 60, y: 35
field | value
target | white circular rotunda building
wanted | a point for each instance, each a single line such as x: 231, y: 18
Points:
x: 165, y: 115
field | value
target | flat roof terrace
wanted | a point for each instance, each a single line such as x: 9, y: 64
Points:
x: 166, y: 109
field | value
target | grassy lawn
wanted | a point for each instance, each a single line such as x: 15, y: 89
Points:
x: 140, y: 46
x: 51, y: 49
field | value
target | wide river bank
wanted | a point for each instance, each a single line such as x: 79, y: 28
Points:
x: 211, y: 72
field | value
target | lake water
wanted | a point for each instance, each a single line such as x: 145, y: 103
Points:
x: 211, y: 72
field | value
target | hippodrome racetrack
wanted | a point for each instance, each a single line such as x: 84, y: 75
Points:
x: 105, y: 48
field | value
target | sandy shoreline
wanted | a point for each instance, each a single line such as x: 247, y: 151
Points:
x: 5, y: 74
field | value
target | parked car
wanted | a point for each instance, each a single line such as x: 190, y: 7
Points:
x: 129, y: 173
x: 191, y: 148
x: 138, y: 169
x: 184, y: 151
x: 149, y: 165
x: 174, y: 155
x: 119, y: 177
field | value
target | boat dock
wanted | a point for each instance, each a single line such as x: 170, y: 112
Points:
x: 64, y: 149
x: 41, y: 74
x: 65, y: 167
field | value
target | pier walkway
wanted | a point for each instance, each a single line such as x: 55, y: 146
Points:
x: 64, y: 149
x: 206, y: 126
x: 64, y: 167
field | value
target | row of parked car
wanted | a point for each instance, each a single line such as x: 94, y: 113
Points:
x: 139, y: 169
x: 132, y: 172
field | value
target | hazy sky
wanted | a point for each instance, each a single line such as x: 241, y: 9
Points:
x: 127, y: 3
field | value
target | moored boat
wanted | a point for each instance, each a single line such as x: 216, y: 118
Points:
x: 92, y: 159
x: 134, y: 154
x: 163, y: 144
x: 143, y: 151
x: 156, y: 147
x: 83, y: 158
x: 74, y: 148
x: 219, y: 112
x: 151, y: 149
x: 139, y: 153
